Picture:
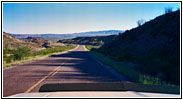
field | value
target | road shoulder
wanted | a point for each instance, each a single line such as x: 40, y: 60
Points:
x: 109, y: 68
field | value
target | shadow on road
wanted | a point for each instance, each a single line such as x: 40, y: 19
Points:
x: 76, y: 66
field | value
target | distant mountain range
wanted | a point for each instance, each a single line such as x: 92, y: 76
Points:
x: 56, y: 37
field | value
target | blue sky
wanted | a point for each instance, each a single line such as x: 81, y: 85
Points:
x: 30, y: 18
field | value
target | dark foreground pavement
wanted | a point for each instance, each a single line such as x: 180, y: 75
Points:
x: 75, y: 66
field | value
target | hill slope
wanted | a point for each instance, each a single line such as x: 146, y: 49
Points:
x: 10, y: 42
x: 154, y: 47
x: 97, y: 40
x: 16, y: 51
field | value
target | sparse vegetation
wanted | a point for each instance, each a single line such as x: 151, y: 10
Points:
x: 126, y: 68
x: 89, y: 47
x: 17, y: 50
x: 153, y: 49
x: 10, y: 56
x: 96, y: 41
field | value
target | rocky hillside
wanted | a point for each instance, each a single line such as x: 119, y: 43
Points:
x: 154, y: 47
x: 11, y: 43
x: 16, y: 49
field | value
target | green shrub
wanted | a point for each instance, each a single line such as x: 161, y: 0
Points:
x: 8, y: 59
x: 149, y: 80
x: 17, y: 57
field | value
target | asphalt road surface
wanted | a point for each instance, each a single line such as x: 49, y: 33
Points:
x: 75, y: 66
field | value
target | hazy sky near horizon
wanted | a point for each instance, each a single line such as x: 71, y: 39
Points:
x: 30, y: 18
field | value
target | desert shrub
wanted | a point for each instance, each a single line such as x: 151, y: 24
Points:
x: 145, y: 79
x: 17, y: 57
x: 7, y: 59
x: 140, y: 22
x: 168, y: 10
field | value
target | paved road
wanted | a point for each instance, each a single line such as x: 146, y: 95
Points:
x: 72, y: 67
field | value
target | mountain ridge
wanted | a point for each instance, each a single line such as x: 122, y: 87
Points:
x: 56, y: 37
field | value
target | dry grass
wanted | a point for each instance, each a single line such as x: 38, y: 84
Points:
x: 29, y: 59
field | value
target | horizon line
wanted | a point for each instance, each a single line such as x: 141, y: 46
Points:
x: 65, y: 33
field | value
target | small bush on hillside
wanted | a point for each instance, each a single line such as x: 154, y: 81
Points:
x: 140, y: 22
x: 168, y: 10
x: 7, y: 59
x: 17, y: 56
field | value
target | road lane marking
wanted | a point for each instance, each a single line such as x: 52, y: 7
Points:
x: 54, y: 72
x: 50, y: 74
